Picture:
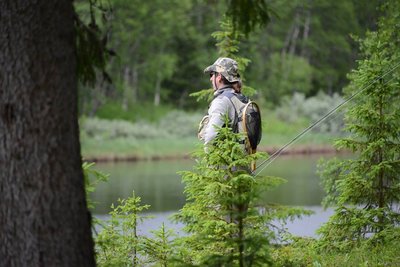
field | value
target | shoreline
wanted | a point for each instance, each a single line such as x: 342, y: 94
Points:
x: 295, y: 150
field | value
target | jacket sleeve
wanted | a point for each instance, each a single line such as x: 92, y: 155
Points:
x: 219, y: 107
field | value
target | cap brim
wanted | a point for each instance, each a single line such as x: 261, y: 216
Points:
x: 210, y: 69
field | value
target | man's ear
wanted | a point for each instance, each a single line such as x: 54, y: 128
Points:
x: 219, y: 77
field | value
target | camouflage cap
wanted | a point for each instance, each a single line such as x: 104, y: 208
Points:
x: 227, y: 67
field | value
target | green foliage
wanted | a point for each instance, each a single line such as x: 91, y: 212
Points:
x: 246, y: 15
x: 175, y: 132
x: 92, y: 177
x: 91, y: 40
x: 163, y: 46
x: 313, y: 108
x: 100, y: 129
x: 175, y: 123
x: 179, y: 123
x: 225, y: 222
x: 307, y: 46
x: 228, y: 41
x: 365, y: 190
x: 118, y: 243
x: 160, y: 248
x: 305, y: 252
x: 288, y: 74
x: 139, y: 112
x: 205, y: 94
x: 145, y: 35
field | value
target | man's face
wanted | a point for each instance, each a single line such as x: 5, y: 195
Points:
x: 214, y: 79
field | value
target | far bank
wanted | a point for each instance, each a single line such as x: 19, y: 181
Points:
x: 305, y: 149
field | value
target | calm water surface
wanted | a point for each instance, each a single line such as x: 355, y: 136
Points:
x: 159, y: 185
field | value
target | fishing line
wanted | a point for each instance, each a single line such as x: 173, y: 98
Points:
x: 277, y: 153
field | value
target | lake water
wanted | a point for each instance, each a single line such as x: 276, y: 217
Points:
x: 159, y: 185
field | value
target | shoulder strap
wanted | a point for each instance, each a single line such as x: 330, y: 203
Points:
x: 238, y: 109
x: 229, y: 94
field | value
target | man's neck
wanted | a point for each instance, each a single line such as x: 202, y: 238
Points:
x: 224, y: 86
x: 220, y: 90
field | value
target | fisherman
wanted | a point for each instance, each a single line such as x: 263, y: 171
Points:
x: 225, y: 80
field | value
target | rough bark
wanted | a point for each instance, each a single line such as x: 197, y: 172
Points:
x: 44, y: 220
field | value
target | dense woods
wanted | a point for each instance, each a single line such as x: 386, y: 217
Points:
x: 138, y: 60
x: 162, y: 48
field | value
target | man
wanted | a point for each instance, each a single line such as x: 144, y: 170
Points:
x: 225, y: 79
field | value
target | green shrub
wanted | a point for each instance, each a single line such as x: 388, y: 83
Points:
x: 313, y: 108
x: 179, y: 124
x: 136, y: 112
x: 226, y: 221
x: 365, y: 190
x: 174, y: 124
x: 118, y: 243
x: 102, y: 129
x: 305, y: 252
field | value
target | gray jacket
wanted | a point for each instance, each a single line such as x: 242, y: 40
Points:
x: 219, y: 107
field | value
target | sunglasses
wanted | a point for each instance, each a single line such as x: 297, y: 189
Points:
x: 212, y: 73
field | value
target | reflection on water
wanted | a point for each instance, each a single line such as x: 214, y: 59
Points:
x: 156, y: 182
x: 305, y: 226
x: 159, y: 185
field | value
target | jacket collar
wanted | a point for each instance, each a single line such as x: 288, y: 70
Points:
x: 226, y: 88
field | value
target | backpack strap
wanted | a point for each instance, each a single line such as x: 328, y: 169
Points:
x: 230, y: 94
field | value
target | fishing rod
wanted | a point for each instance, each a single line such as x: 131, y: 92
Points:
x: 277, y: 153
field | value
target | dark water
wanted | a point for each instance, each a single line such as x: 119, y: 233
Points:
x: 159, y: 185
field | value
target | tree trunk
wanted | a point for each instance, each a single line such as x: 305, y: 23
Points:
x: 295, y: 36
x: 44, y: 220
x: 126, y: 82
x: 157, y: 91
x: 306, y: 32
x: 135, y: 85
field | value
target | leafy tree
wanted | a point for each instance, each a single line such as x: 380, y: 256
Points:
x: 313, y: 109
x: 44, y: 220
x: 92, y: 177
x: 118, y: 244
x: 246, y: 15
x: 163, y: 46
x: 365, y: 189
x: 225, y: 221
x: 288, y: 74
x: 306, y: 47
x: 143, y: 35
x: 160, y: 248
x: 228, y: 46
x: 92, y: 26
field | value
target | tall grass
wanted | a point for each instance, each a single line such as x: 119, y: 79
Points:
x: 304, y: 252
x: 174, y: 134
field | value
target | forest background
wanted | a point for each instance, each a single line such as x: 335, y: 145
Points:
x: 148, y: 105
x: 158, y: 50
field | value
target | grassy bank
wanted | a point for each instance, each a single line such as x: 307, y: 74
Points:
x: 175, y: 135
x: 138, y: 149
